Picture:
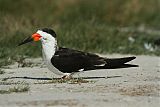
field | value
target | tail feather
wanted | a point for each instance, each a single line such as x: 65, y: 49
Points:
x: 120, y: 66
x: 119, y: 63
x: 119, y: 60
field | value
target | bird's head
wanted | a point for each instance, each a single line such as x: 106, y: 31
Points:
x: 44, y: 35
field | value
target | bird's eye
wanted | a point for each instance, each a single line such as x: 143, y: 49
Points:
x: 45, y: 38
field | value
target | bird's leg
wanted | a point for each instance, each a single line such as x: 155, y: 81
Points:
x: 67, y: 76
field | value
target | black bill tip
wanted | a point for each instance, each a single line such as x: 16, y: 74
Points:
x: 27, y: 40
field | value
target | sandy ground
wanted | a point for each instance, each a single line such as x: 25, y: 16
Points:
x: 129, y: 87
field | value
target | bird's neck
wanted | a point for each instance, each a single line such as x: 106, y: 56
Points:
x: 49, y: 49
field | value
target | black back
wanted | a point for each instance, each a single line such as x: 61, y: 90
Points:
x: 69, y: 60
x: 50, y: 31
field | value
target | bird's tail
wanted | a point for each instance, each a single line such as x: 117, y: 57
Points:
x: 114, y: 63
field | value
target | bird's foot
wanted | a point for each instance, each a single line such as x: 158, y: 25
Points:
x: 66, y: 77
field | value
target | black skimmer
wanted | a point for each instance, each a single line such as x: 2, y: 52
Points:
x: 65, y: 61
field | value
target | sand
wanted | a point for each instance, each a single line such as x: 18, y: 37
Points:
x: 129, y: 87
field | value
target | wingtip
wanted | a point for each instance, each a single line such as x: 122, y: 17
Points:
x: 133, y: 57
x: 135, y: 65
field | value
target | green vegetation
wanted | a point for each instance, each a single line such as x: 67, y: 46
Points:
x: 102, y: 26
x: 16, y: 89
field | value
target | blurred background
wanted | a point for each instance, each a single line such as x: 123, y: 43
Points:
x: 100, y: 26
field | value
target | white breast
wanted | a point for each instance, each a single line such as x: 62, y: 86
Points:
x: 50, y: 66
x: 49, y: 46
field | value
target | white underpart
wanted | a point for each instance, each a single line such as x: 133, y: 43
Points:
x: 49, y: 44
x: 100, y: 65
x: 80, y: 70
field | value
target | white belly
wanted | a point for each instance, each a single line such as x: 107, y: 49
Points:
x: 50, y: 66
x: 48, y: 50
x: 53, y: 69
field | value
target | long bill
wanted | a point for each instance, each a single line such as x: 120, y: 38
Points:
x: 27, y: 40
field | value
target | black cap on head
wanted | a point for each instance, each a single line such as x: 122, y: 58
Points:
x: 50, y: 31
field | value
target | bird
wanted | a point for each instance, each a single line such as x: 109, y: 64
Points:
x: 65, y: 61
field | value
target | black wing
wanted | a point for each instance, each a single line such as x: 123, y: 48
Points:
x: 69, y: 60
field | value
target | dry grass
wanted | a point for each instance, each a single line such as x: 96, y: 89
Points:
x: 140, y: 90
x: 68, y: 81
x: 69, y: 103
x: 16, y: 89
x: 1, y: 71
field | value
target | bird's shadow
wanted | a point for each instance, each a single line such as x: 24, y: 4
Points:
x: 37, y: 78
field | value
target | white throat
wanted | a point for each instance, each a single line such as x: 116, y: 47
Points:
x: 49, y: 49
x: 49, y: 45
